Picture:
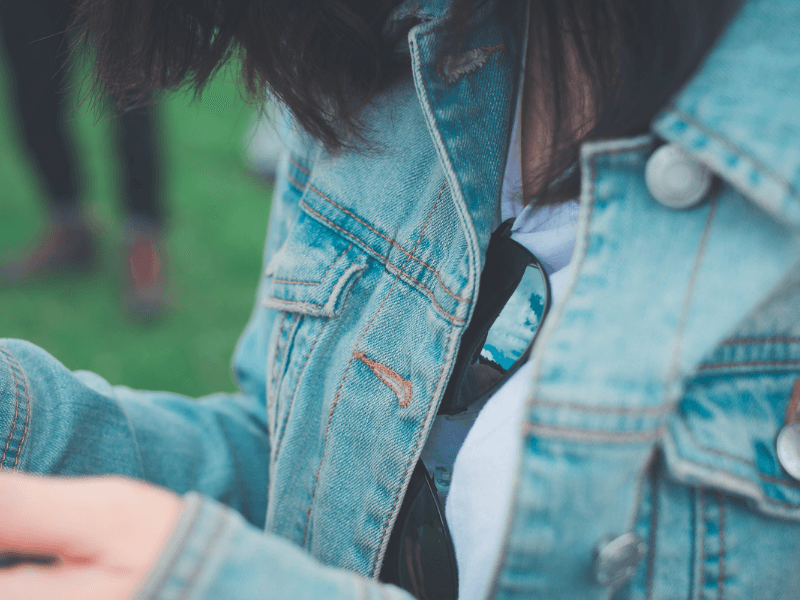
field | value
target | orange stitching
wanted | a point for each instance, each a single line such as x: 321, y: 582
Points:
x: 8, y: 357
x: 413, y: 454
x: 721, y: 570
x: 346, y: 250
x: 393, y: 243
x: 402, y: 388
x: 295, y: 183
x: 597, y: 408
x: 27, y: 417
x: 763, y: 340
x: 424, y: 289
x: 675, y: 356
x: 299, y: 166
x: 345, y: 273
x: 750, y: 363
x: 793, y: 410
x: 347, y: 368
x: 594, y: 435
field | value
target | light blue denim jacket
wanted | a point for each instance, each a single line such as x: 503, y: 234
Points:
x: 660, y: 381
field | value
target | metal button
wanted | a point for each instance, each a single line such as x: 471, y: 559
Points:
x: 788, y: 447
x: 617, y: 558
x: 676, y: 179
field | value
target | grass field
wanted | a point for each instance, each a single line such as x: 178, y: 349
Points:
x: 218, y: 216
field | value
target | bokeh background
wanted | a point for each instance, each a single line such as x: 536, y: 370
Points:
x: 217, y: 221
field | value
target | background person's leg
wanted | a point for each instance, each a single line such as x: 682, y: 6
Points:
x: 36, y: 48
x: 147, y: 290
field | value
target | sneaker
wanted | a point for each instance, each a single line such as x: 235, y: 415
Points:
x: 67, y: 247
x: 147, y: 291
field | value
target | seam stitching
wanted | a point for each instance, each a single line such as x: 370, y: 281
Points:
x: 299, y: 166
x: 346, y: 273
x: 761, y: 340
x: 721, y: 570
x: 598, y: 408
x: 703, y: 528
x: 416, y: 448
x: 285, y: 421
x: 346, y: 370
x: 389, y: 266
x: 673, y: 372
x: 402, y: 388
x: 295, y: 183
x: 750, y: 363
x: 202, y: 558
x: 410, y: 255
x: 651, y: 551
x: 8, y: 357
x: 594, y: 435
x: 757, y: 164
x: 322, y: 278
x: 27, y: 416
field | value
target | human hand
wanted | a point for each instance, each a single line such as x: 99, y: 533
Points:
x: 107, y: 532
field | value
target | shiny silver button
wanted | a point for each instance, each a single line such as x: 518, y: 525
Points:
x: 788, y: 447
x: 676, y: 179
x: 617, y: 558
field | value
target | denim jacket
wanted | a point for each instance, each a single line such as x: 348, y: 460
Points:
x: 660, y: 381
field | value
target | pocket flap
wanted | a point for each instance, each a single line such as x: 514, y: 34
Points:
x: 723, y: 435
x: 313, y: 271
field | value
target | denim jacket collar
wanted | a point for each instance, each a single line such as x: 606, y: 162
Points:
x: 740, y: 114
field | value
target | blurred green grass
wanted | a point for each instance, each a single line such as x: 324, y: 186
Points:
x: 218, y: 214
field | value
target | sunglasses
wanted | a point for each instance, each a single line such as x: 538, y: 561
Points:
x: 513, y: 301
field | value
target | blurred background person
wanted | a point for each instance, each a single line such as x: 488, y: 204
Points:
x: 36, y: 48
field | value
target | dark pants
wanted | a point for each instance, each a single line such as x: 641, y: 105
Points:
x: 37, y: 46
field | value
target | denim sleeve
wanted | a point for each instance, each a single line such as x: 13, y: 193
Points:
x: 214, y: 553
x: 58, y: 422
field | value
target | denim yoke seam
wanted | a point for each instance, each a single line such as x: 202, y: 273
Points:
x: 410, y: 255
x: 14, y: 366
x: 388, y: 265
x: 347, y: 369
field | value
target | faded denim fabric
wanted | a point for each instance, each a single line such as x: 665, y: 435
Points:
x: 659, y: 382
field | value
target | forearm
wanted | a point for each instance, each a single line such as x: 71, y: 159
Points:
x: 53, y: 421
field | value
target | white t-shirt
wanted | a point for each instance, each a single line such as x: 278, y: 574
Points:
x: 471, y: 456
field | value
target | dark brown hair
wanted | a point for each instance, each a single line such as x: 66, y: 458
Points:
x: 325, y: 59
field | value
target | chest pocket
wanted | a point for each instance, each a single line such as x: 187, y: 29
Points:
x: 721, y: 515
x: 309, y: 282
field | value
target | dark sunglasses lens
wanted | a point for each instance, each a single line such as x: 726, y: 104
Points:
x: 511, y: 334
x: 421, y: 560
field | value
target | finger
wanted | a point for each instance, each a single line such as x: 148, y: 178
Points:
x: 65, y: 582
x: 44, y: 515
